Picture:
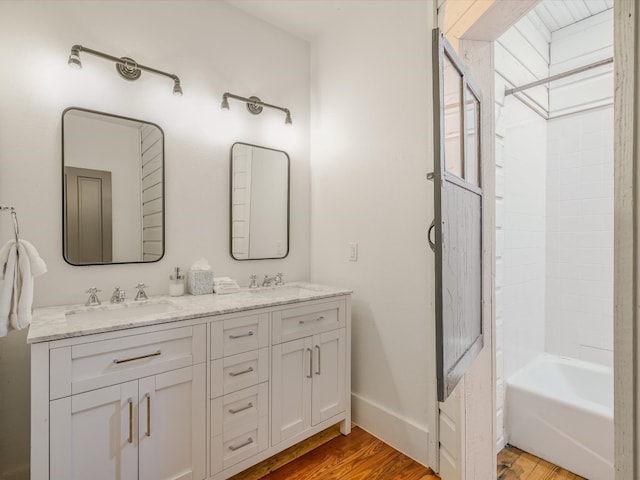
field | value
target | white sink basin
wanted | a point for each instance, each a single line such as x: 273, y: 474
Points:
x: 120, y: 312
x: 277, y: 292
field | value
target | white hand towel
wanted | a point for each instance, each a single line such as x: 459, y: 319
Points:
x: 8, y: 289
x: 38, y: 267
x: 4, y: 256
x: 23, y: 291
x: 19, y: 264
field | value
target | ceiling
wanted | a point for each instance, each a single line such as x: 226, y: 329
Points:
x: 306, y: 19
x: 557, y: 14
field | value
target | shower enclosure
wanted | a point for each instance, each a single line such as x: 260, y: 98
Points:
x: 554, y: 209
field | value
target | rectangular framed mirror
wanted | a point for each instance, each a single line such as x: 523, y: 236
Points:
x: 259, y: 202
x: 112, y: 189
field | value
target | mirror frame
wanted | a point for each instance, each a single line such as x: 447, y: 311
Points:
x: 63, y: 189
x: 286, y: 254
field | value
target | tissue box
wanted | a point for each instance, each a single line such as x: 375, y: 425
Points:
x: 199, y: 282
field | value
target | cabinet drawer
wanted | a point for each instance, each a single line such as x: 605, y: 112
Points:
x: 88, y: 366
x: 245, y: 407
x: 239, y: 444
x: 234, y: 373
x: 238, y: 335
x: 299, y: 322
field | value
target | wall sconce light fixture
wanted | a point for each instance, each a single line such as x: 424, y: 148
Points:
x: 127, y: 67
x: 254, y: 105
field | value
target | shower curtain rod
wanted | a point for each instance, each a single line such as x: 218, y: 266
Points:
x: 552, y: 78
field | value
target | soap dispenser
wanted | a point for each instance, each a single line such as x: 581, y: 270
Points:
x: 176, y: 283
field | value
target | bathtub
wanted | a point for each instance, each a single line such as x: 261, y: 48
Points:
x: 561, y: 410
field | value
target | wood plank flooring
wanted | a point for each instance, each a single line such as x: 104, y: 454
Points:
x: 515, y: 464
x: 359, y: 456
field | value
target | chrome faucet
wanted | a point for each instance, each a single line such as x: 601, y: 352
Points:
x: 277, y: 280
x: 141, y: 295
x: 254, y: 283
x: 93, y: 297
x: 118, y: 296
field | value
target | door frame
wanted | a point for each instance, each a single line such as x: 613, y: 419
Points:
x: 626, y: 238
x: 487, y: 27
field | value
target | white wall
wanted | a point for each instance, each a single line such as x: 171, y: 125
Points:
x: 522, y: 56
x: 214, y: 48
x: 579, y: 310
x: 371, y: 150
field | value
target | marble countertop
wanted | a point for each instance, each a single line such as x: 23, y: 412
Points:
x: 66, y: 321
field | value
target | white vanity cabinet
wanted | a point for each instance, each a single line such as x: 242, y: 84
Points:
x: 204, y: 395
x: 309, y: 370
x: 128, y: 406
x: 239, y: 389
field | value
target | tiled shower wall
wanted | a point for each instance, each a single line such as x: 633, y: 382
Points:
x: 579, y: 297
x: 522, y: 56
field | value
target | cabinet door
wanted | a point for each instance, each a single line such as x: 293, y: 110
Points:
x: 171, y: 431
x: 328, y: 375
x: 291, y: 389
x: 94, y: 433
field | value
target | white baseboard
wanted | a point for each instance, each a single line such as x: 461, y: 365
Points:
x: 501, y: 443
x: 401, y: 433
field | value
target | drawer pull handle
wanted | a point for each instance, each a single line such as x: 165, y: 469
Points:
x: 149, y: 355
x: 310, y: 375
x: 130, y: 420
x: 238, y: 410
x: 235, y: 374
x: 235, y: 337
x: 244, y: 444
x: 148, y: 415
x: 318, y: 370
x: 309, y: 320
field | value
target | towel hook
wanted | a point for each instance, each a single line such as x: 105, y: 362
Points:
x: 14, y: 215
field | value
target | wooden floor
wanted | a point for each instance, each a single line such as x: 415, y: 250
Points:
x: 514, y: 464
x: 359, y: 456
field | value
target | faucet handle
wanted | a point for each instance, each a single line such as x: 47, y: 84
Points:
x: 141, y: 293
x: 254, y: 283
x: 93, y: 297
x: 118, y: 295
x: 279, y: 280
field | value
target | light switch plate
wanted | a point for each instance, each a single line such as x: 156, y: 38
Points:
x: 353, y: 252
